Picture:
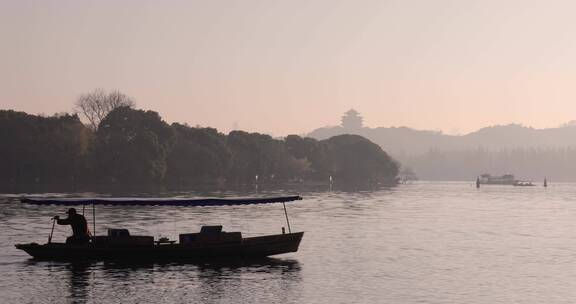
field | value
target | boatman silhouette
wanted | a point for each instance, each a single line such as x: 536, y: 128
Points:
x: 80, y: 233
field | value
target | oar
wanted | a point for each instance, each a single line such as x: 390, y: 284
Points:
x: 51, y: 232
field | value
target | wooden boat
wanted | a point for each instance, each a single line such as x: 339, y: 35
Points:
x: 209, y: 243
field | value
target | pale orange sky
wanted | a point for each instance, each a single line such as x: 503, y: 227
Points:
x: 285, y: 67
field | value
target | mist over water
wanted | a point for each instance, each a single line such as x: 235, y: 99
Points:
x: 419, y: 243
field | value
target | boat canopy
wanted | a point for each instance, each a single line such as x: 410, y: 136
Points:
x: 158, y: 201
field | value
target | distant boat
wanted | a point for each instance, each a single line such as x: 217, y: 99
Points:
x: 506, y: 179
x: 523, y: 184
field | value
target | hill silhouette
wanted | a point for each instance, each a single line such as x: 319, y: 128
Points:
x: 495, y: 149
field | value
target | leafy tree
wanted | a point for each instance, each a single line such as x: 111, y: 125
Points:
x: 198, y: 156
x: 313, y: 152
x: 42, y: 150
x: 132, y: 145
x: 246, y: 161
x: 258, y: 154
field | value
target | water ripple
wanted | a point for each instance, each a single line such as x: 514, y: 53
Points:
x: 418, y: 243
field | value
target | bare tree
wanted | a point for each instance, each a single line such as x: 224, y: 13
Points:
x: 96, y: 105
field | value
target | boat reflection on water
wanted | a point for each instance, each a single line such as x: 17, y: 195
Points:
x: 204, y: 280
x: 258, y: 263
x: 80, y: 274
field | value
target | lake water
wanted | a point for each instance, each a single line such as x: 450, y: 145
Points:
x: 417, y: 243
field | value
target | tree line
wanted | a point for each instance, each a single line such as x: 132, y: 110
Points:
x: 132, y: 147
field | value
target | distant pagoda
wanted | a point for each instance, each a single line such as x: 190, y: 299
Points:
x: 352, y: 120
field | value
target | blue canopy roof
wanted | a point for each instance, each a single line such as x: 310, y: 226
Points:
x: 128, y: 201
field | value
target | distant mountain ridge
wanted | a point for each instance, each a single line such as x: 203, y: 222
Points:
x: 525, y: 151
x: 404, y: 142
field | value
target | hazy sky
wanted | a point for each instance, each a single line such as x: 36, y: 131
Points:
x: 285, y: 67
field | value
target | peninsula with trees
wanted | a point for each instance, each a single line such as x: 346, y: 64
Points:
x: 121, y: 146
